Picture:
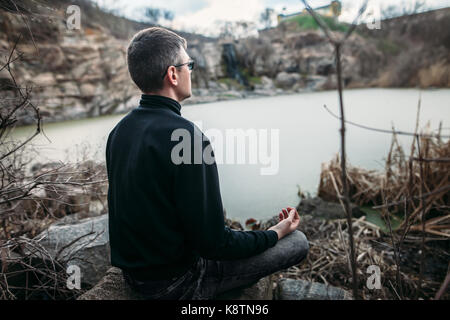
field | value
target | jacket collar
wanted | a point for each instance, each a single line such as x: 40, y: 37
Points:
x: 155, y: 101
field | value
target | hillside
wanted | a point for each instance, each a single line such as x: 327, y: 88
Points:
x: 415, y: 49
x: 82, y: 73
x: 409, y: 51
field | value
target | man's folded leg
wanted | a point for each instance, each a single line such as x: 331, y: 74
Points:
x: 222, y: 276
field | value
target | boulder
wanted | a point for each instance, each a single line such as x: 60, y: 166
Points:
x: 70, y: 88
x: 84, y: 243
x: 52, y: 57
x: 287, y: 80
x: 45, y: 79
x: 266, y: 82
x: 261, y: 290
x: 291, y: 289
x: 298, y: 41
x: 111, y: 287
x: 327, y: 210
x: 87, y: 89
x: 230, y: 94
x: 315, y: 82
x: 114, y: 287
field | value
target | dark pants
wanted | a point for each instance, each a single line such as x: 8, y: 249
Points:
x: 209, y: 278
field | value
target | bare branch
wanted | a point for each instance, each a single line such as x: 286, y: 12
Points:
x: 362, y: 9
x: 385, y: 130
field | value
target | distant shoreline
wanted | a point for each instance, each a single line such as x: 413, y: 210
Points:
x: 218, y: 96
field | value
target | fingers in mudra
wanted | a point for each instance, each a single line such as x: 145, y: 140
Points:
x: 280, y: 216
x: 285, y: 213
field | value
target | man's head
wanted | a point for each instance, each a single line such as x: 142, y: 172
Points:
x: 152, y: 57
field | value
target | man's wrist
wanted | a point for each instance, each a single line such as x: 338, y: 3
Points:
x: 277, y: 231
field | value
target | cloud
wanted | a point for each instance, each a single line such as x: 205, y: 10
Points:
x: 134, y: 9
x: 205, y: 20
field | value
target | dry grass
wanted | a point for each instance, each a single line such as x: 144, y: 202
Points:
x: 406, y: 273
x: 437, y: 75
x: 328, y: 262
x: 61, y: 190
x: 400, y: 184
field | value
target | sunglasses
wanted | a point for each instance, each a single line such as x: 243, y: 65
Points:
x: 190, y: 65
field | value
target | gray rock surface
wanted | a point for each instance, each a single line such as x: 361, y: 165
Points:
x: 111, y: 287
x: 114, y: 287
x: 291, y: 289
x: 84, y: 243
x: 262, y: 290
x: 287, y: 80
x: 327, y: 210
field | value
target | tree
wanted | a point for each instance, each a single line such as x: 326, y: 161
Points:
x: 154, y: 15
x: 236, y: 29
x: 168, y: 15
x: 266, y: 17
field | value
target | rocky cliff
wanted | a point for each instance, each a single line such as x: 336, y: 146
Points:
x: 79, y: 73
x: 82, y: 73
x: 408, y: 51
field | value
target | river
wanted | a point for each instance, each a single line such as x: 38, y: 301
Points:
x: 304, y: 136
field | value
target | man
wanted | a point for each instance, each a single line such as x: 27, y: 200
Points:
x: 166, y: 223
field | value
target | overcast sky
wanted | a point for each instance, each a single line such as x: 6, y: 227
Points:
x: 202, y: 16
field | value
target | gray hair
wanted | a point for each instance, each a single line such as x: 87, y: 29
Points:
x: 150, y: 53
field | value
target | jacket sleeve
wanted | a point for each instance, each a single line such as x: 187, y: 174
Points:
x: 199, y: 205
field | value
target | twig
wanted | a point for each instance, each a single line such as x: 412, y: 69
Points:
x: 437, y: 191
x: 423, y: 201
x: 385, y: 130
x: 57, y: 256
x: 344, y: 177
x: 338, y: 45
x: 396, y: 251
x: 432, y: 160
x: 443, y: 287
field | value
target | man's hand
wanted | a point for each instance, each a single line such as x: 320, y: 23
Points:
x: 289, y: 221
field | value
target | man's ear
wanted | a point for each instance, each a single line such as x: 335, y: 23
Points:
x: 172, y: 75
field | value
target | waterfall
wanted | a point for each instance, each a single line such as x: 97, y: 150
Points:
x: 229, y: 56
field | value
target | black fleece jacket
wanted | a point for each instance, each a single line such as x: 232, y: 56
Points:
x: 162, y: 215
